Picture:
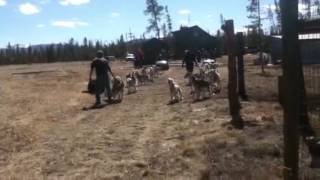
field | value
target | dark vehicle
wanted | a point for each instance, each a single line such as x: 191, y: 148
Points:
x: 250, y: 50
x: 162, y: 65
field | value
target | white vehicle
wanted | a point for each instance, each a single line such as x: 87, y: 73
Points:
x: 209, y: 61
x: 162, y: 65
x: 209, y: 64
x: 111, y: 58
x: 130, y: 57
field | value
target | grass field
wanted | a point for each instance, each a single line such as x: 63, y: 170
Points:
x: 45, y: 134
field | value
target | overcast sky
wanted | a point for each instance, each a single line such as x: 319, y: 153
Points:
x: 51, y: 21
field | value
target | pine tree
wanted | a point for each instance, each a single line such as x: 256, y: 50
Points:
x: 59, y: 53
x: 98, y: 45
x: 270, y: 17
x: 222, y: 21
x: 50, y: 53
x: 278, y: 14
x: 121, y: 47
x: 30, y: 54
x: 84, y: 49
x: 131, y: 35
x: 155, y: 11
x: 76, y: 49
x: 1, y: 57
x: 255, y: 15
x: 254, y: 9
x: 220, y: 44
x: 71, y: 50
x: 9, y: 53
x: 17, y: 58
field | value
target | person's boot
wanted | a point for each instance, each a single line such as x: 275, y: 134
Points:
x: 98, y: 101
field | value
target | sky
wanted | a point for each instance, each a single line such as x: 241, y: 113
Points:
x: 51, y: 21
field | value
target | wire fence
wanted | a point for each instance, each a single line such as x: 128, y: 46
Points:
x: 312, y: 80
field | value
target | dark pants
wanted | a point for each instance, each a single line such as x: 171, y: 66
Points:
x: 103, y: 84
x: 189, y: 67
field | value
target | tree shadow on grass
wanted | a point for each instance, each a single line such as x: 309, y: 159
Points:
x: 246, y: 123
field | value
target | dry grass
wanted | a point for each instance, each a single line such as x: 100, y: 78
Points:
x: 45, y: 134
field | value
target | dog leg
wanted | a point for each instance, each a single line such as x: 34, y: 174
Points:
x: 171, y: 96
x: 209, y: 91
x: 180, y: 95
x: 196, y: 95
x: 121, y: 95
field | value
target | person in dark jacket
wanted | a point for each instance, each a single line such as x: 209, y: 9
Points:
x: 189, y: 60
x: 102, y: 68
x: 199, y: 56
x: 138, y: 58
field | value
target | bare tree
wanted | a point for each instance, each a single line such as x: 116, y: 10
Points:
x: 169, y: 20
x: 164, y: 30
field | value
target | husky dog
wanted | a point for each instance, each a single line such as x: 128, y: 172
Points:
x: 156, y: 71
x: 131, y: 83
x: 215, y: 81
x: 200, y: 87
x: 175, y: 91
x: 147, y: 72
x: 213, y: 77
x: 140, y: 78
x: 117, y: 88
x: 150, y: 72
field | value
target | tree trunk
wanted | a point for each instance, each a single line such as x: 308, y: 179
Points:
x: 292, y: 86
x: 260, y: 39
x: 234, y: 103
x: 241, y: 76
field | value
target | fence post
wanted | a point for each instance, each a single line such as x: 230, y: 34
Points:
x: 241, y: 75
x: 233, y: 97
x: 292, y: 81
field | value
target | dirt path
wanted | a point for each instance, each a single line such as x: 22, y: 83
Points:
x: 45, y: 134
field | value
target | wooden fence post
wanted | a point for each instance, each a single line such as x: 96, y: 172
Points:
x: 241, y: 75
x: 233, y: 97
x: 292, y: 86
